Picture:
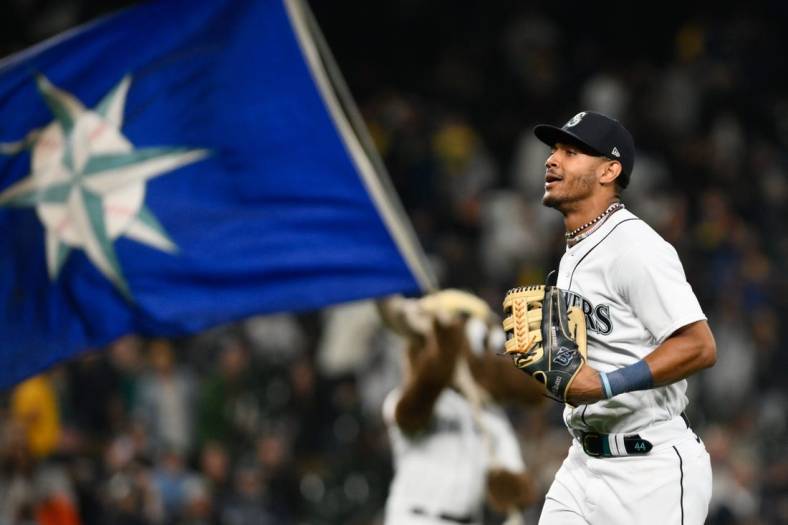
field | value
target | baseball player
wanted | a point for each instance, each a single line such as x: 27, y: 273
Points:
x: 453, y: 446
x: 634, y: 458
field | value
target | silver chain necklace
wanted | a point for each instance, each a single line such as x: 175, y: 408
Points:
x: 570, y: 236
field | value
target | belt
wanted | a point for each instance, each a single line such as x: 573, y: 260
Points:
x: 616, y: 445
x: 444, y: 516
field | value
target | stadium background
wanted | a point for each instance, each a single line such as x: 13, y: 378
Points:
x: 265, y: 422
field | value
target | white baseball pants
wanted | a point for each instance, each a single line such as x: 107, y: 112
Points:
x: 669, y: 486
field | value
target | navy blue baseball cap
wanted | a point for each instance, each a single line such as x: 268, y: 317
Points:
x: 596, y: 134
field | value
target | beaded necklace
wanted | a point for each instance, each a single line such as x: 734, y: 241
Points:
x: 572, y: 237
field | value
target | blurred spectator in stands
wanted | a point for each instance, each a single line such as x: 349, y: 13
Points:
x: 728, y: 388
x: 772, y: 448
x: 172, y: 480
x: 92, y: 400
x: 248, y: 504
x: 165, y: 403
x: 229, y: 406
x: 276, y: 339
x: 126, y: 358
x: 129, y: 497
x: 32, y: 491
x: 216, y: 471
x: 310, y: 411
x: 273, y: 457
x: 34, y: 408
x: 734, y: 496
x: 198, y: 504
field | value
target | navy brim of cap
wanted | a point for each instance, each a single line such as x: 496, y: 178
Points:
x: 552, y: 135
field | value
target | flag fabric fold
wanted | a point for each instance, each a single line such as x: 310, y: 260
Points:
x: 179, y: 165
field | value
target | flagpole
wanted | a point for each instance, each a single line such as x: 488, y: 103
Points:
x: 354, y: 133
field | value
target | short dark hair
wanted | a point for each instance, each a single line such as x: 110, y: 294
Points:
x: 622, y: 181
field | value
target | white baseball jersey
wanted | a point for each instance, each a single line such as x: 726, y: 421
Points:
x: 442, y: 470
x: 631, y: 286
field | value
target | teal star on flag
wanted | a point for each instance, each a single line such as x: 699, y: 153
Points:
x: 87, y: 181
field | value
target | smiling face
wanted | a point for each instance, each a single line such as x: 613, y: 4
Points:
x: 572, y: 176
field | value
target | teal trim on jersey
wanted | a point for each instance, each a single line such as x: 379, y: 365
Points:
x: 605, y: 446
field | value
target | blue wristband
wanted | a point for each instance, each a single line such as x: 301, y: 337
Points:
x: 606, y: 391
x: 630, y: 378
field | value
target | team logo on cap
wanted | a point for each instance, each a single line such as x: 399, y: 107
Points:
x: 574, y: 121
x: 615, y: 152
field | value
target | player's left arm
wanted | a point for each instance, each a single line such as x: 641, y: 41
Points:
x: 688, y: 350
x: 652, y: 281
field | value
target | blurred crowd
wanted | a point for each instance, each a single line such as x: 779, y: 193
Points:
x: 277, y: 419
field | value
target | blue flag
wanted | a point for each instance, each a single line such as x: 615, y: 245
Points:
x: 179, y: 165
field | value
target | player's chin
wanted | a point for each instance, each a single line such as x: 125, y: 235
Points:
x: 551, y: 200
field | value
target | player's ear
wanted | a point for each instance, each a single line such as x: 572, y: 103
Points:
x: 611, y: 170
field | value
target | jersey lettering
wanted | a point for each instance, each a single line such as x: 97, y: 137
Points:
x: 602, y: 313
x: 598, y: 318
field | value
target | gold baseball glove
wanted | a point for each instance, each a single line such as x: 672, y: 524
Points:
x: 544, y: 339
